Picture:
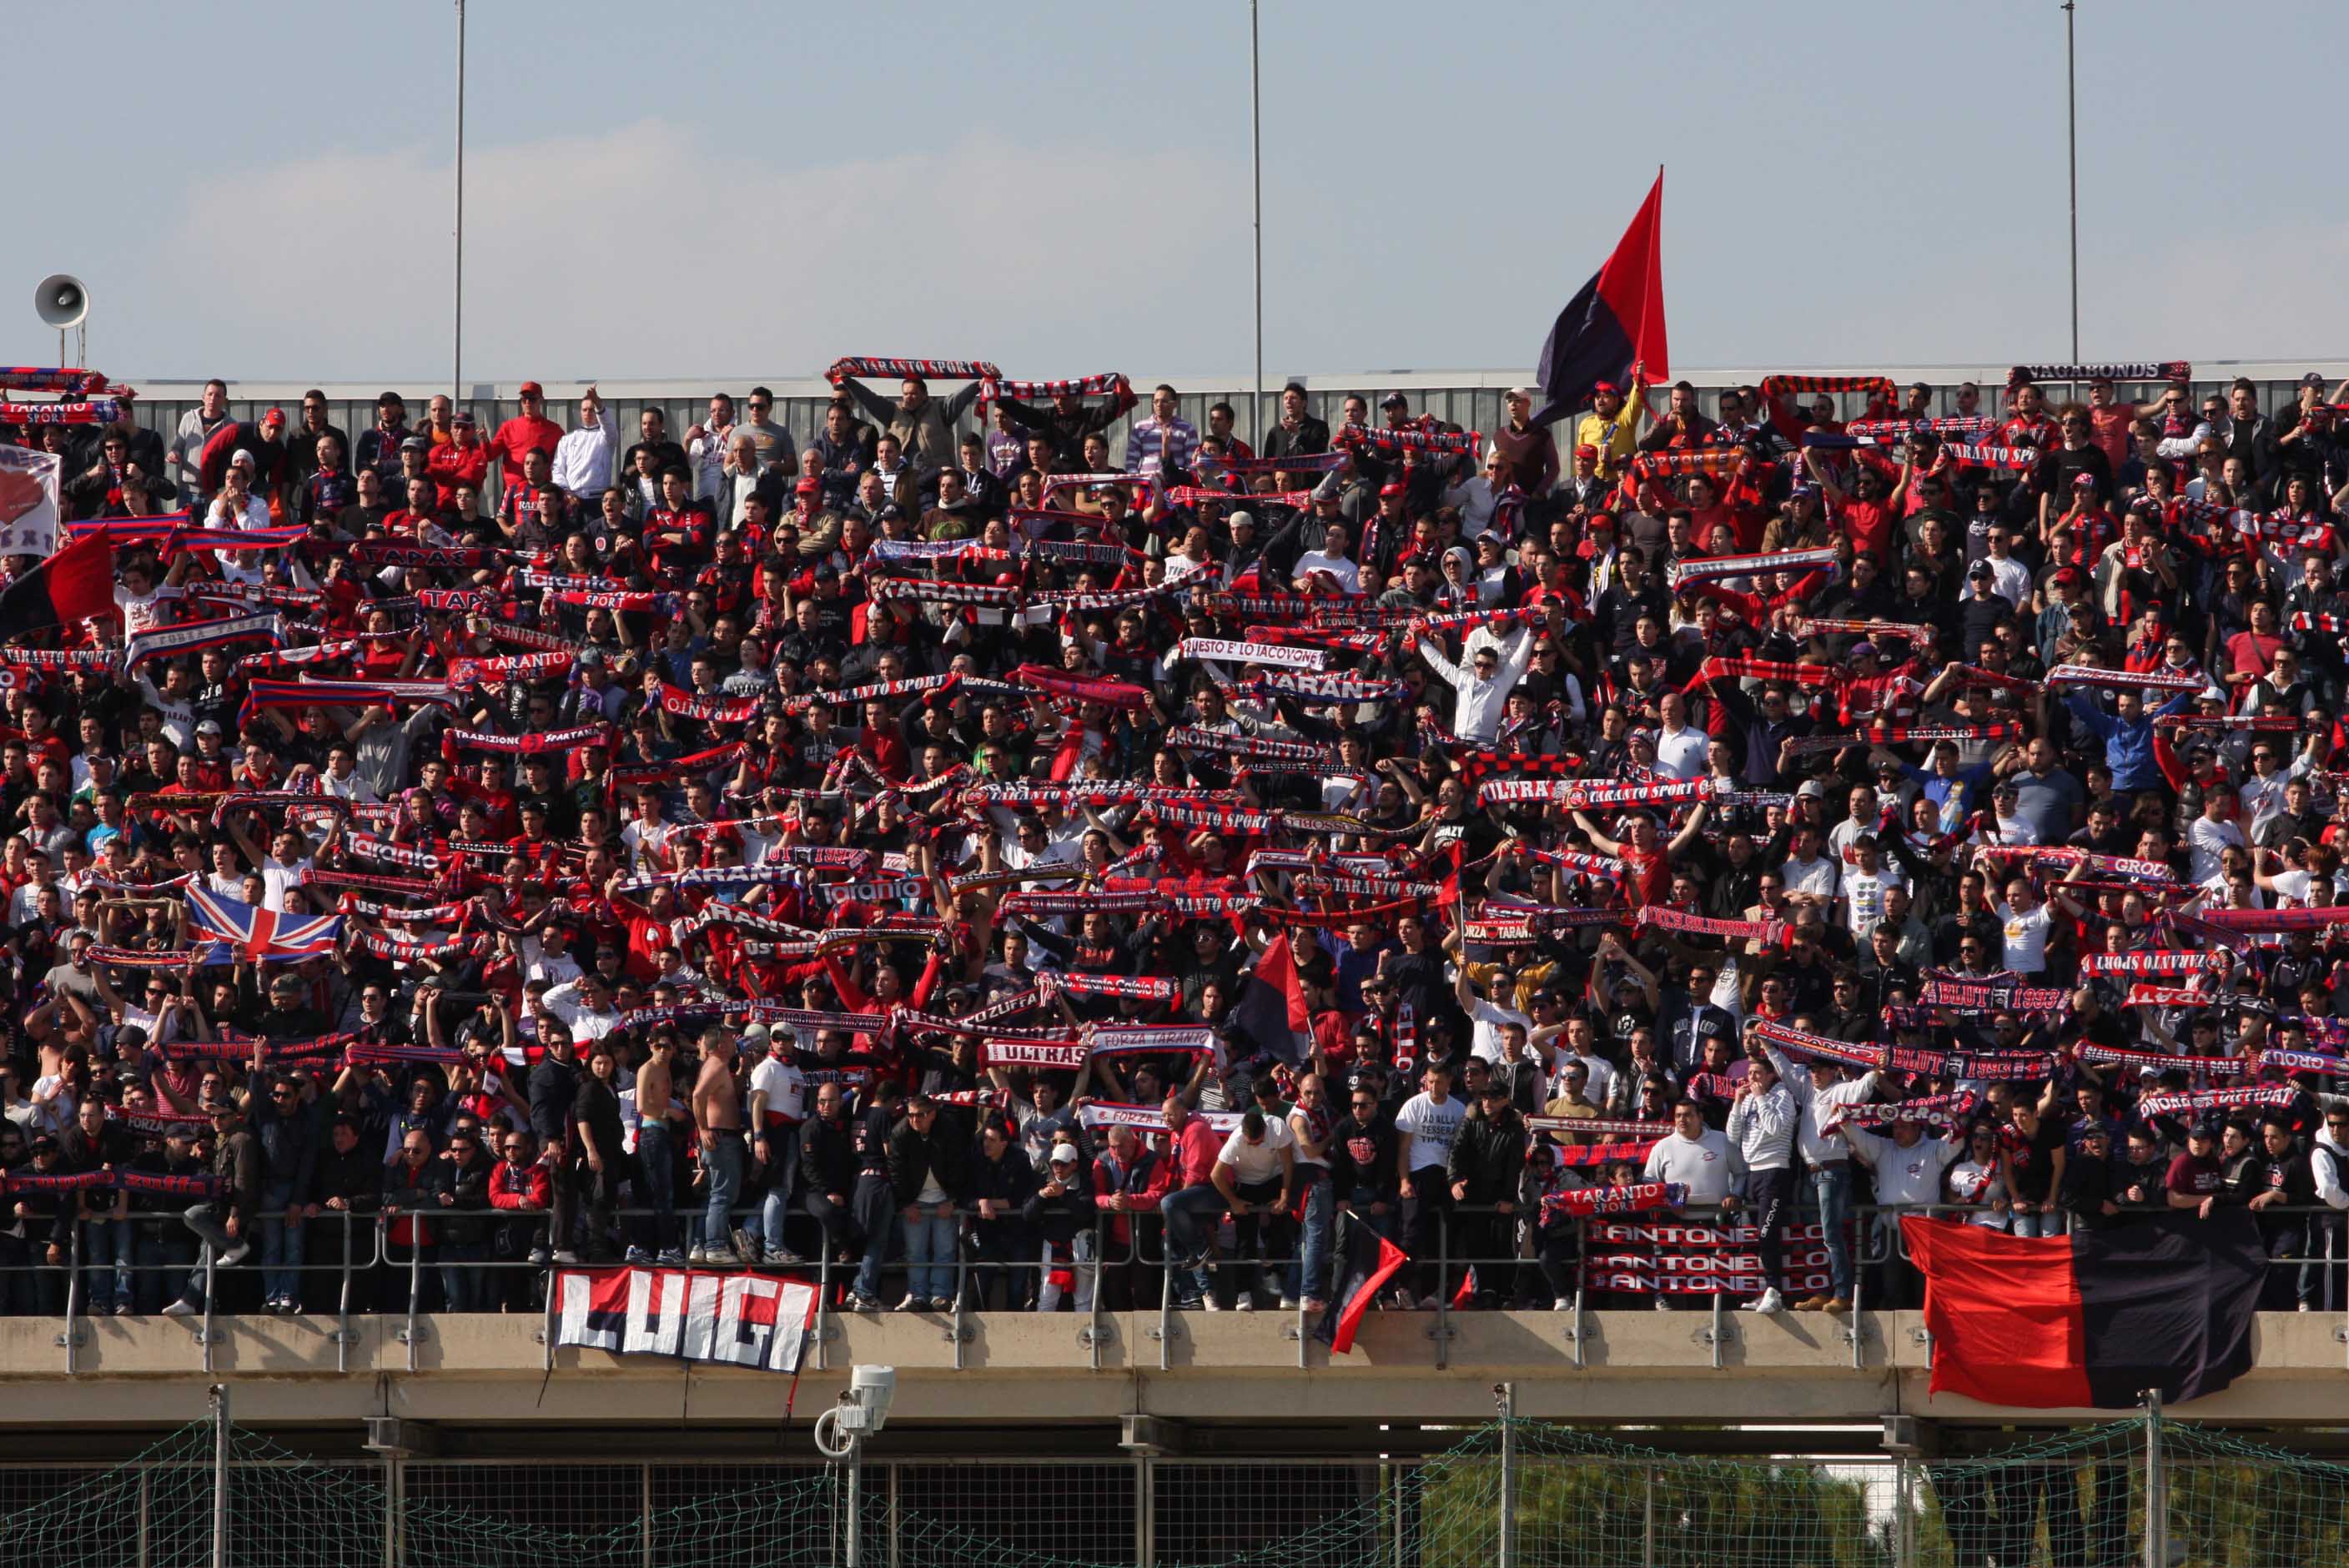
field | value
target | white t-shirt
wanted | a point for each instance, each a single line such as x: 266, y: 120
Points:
x: 2205, y: 838
x: 1432, y: 1128
x: 1816, y: 878
x: 1349, y: 575
x: 2027, y: 938
x: 1708, y: 1163
x: 1488, y: 1018
x: 1254, y: 1163
x: 785, y: 1088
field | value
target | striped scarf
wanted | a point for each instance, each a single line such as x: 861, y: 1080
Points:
x: 528, y: 745
x: 269, y: 694
x: 1803, y: 1043
x: 297, y: 659
x: 2009, y: 459
x: 397, y: 553
x: 2122, y: 680
x: 1584, y: 794
x: 166, y: 642
x: 1332, y: 688
x: 1714, y: 569
x: 1123, y: 987
x: 1955, y: 424
x: 1228, y: 652
x: 2119, y: 370
x: 1773, y: 932
x: 368, y: 881
x: 1317, y: 637
x: 1082, y: 688
x: 368, y: 846
x: 1113, y: 384
x: 2164, y: 961
x: 2157, y: 1061
x: 708, y: 709
x: 1384, y: 440
x: 1289, y: 754
x: 2272, y: 1096
x: 842, y: 369
x: 459, y: 601
x: 1776, y: 386
x: 1727, y: 669
x: 402, y: 950
x: 522, y: 667
x: 1816, y: 625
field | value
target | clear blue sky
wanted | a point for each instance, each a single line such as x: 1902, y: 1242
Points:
x: 651, y: 191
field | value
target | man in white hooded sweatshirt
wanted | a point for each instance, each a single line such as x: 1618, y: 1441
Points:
x: 1763, y: 1122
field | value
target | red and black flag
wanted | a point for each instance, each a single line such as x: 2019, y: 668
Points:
x: 2094, y: 1319
x: 70, y: 586
x: 1366, y: 1260
x: 1613, y: 330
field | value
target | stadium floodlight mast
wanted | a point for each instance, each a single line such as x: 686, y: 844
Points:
x: 1255, y: 182
x: 457, y: 309
x: 840, y: 1433
x: 2072, y: 155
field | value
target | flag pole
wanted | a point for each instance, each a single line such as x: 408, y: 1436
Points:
x: 457, y: 312
x: 1255, y: 180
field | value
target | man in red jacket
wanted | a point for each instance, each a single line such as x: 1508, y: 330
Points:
x: 528, y: 431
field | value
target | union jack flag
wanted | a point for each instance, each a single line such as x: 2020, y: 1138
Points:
x: 261, y: 935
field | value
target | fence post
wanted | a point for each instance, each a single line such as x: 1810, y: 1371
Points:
x: 893, y: 1532
x: 1648, y: 1521
x: 1145, y: 1512
x: 1904, y: 1515
x: 146, y: 1519
x: 394, y: 1507
x: 645, y: 1513
x: 1505, y: 1395
x: 220, y: 1475
x: 2156, y: 1501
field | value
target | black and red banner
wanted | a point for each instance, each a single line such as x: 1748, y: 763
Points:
x: 2094, y: 1319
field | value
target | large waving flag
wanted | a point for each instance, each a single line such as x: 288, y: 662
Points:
x: 70, y: 586
x: 262, y: 936
x: 2093, y: 1318
x: 28, y: 501
x: 1613, y: 330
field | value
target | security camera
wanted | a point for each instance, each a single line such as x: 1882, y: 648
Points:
x: 862, y: 1412
x: 874, y: 1389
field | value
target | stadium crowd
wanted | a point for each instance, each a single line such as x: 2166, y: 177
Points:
x: 1014, y: 846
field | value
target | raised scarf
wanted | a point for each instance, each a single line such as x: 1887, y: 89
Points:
x: 1952, y: 1108
x: 1773, y: 932
x: 2122, y: 680
x: 2119, y: 371
x: 1082, y: 688
x: 709, y: 709
x: 1222, y: 649
x: 1250, y: 747
x: 870, y: 365
x: 2268, y: 1094
x: 1715, y: 568
x: 528, y: 745
x: 2164, y: 961
x: 1776, y: 386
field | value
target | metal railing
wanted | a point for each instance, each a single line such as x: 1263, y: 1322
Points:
x: 371, y: 1273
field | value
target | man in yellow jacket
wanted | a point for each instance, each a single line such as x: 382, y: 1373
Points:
x: 1612, y: 426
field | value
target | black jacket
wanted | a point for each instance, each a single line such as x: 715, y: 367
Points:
x: 461, y: 1223
x: 1488, y: 1155
x: 914, y: 1155
x: 1361, y: 1160
x: 553, y: 1086
x: 827, y: 1157
x: 1011, y: 1180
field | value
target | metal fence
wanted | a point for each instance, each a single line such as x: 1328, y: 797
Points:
x: 800, y: 406
x: 1513, y: 1493
x: 363, y: 1270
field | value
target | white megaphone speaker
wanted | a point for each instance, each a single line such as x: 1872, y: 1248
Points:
x: 62, y: 300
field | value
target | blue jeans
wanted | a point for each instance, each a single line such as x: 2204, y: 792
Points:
x: 280, y: 1243
x: 1313, y: 1240
x: 722, y: 1158
x: 779, y: 1179
x: 2049, y: 1222
x: 654, y: 1155
x: 466, y: 1286
x: 106, y: 1253
x: 930, y: 1251
x: 1190, y: 1215
x: 1831, y: 1191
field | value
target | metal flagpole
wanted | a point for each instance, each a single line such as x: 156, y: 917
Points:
x: 457, y: 318
x: 220, y: 1475
x: 1256, y: 163
x: 2071, y: 142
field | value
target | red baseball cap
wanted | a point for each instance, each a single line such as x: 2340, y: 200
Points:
x: 809, y: 484
x: 276, y: 414
x: 1391, y: 487
x: 533, y: 389
x: 1587, y: 450
x: 1604, y: 387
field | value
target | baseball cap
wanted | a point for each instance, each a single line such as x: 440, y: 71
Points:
x: 809, y: 484
x: 1392, y: 488
x: 1814, y: 789
x: 1980, y: 569
x: 462, y: 417
x: 1064, y: 1155
x: 1587, y: 450
x: 1863, y: 649
x: 1394, y: 401
x: 2067, y: 577
x: 532, y: 389
x: 1237, y: 518
x: 209, y: 726
x: 2313, y: 378
x: 273, y: 413
x: 2084, y: 481
x: 591, y: 656
x: 1524, y: 392
x: 417, y: 444
x: 1804, y: 490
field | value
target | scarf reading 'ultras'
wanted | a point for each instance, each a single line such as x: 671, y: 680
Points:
x: 1228, y: 652
x: 1714, y: 568
x: 1776, y: 386
x: 2123, y: 680
x: 1054, y: 1054
x: 840, y: 370
x: 2276, y: 1095
x: 1296, y: 753
x: 2119, y: 370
